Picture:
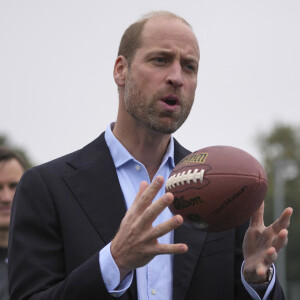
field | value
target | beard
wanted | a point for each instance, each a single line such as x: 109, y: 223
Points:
x: 146, y: 112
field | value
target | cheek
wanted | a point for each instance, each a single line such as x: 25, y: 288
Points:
x: 192, y: 88
x: 149, y: 80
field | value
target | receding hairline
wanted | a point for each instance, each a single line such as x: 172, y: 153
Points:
x: 163, y: 14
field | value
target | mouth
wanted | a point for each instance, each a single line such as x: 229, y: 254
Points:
x: 170, y: 100
x: 5, y: 210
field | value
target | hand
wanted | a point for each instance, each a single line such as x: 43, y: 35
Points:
x: 136, y: 242
x: 262, y: 244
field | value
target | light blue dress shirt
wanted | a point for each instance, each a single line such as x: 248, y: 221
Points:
x: 155, y: 280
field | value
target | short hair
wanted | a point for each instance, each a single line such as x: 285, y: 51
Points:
x: 7, y: 154
x: 132, y: 37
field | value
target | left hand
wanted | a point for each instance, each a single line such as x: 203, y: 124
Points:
x: 262, y: 244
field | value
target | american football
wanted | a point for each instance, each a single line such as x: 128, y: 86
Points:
x: 217, y: 188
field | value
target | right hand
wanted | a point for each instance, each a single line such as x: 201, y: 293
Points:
x: 135, y: 244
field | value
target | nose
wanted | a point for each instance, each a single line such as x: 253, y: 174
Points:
x: 174, y: 77
x: 6, y: 195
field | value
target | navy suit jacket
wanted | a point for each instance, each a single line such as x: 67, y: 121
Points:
x: 68, y: 209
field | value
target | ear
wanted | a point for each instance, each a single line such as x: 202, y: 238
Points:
x: 120, y: 70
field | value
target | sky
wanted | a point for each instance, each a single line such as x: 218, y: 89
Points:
x: 57, y: 91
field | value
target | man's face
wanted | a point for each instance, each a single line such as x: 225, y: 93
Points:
x: 162, y: 79
x: 10, y: 174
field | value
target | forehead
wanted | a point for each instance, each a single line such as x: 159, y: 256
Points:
x: 11, y: 169
x: 170, y: 33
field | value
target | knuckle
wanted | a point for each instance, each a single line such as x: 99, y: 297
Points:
x: 150, y: 213
x: 156, y: 232
x: 133, y: 230
x: 143, y: 198
x: 163, y: 249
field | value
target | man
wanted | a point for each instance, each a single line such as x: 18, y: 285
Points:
x: 95, y: 225
x: 11, y: 170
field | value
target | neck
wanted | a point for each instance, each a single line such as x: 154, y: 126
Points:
x: 3, y: 238
x: 143, y: 144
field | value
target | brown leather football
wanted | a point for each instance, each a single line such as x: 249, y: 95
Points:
x: 217, y: 188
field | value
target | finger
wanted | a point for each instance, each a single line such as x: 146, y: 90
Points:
x: 271, y: 256
x: 257, y: 219
x: 146, y: 196
x: 261, y: 271
x: 166, y: 227
x: 152, y: 211
x: 171, y: 249
x: 142, y: 188
x: 281, y: 240
x: 283, y: 221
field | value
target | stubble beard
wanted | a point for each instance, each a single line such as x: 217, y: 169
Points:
x: 147, y: 113
x: 4, y: 224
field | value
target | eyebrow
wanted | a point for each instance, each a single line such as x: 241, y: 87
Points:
x: 165, y: 52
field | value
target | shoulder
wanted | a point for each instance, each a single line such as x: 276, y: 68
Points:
x: 74, y: 160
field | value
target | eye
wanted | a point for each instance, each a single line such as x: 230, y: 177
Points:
x: 13, y: 185
x: 160, y: 60
x: 190, y: 67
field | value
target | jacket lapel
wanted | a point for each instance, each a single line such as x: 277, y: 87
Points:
x: 101, y: 198
x: 184, y: 264
x: 95, y: 186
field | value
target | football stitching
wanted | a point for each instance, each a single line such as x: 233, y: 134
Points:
x: 181, y: 178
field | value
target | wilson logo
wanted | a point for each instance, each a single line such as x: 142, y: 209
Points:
x: 195, y: 158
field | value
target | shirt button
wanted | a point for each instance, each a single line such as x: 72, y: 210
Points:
x: 137, y: 167
x: 153, y: 292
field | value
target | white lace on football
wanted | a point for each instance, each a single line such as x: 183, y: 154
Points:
x: 181, y: 178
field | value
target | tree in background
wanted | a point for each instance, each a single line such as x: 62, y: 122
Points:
x: 283, y: 144
x: 4, y: 141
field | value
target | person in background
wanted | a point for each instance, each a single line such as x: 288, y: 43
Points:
x: 12, y: 167
x: 95, y: 224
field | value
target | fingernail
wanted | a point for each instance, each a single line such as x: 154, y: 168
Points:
x: 183, y: 248
x: 158, y: 180
x: 168, y: 198
x: 178, y: 219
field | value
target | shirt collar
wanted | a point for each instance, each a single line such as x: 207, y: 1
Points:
x: 121, y: 156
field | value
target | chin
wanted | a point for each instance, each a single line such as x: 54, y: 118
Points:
x: 4, y: 224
